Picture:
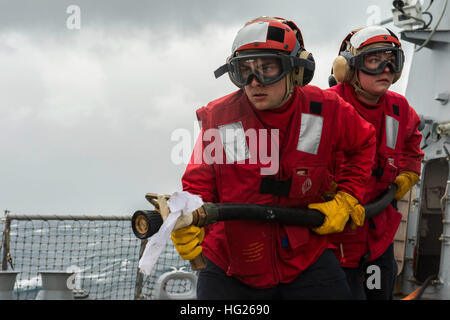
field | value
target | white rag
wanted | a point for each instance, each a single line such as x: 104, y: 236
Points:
x: 179, y: 203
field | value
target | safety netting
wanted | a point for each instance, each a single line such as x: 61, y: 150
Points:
x: 100, y: 250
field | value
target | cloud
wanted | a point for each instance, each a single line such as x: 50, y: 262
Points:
x: 87, y: 115
x: 51, y: 15
x: 90, y: 128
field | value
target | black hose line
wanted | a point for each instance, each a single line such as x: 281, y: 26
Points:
x: 297, y: 216
x: 237, y: 211
x: 380, y: 203
x: 243, y: 211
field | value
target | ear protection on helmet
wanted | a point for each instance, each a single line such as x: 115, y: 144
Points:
x: 301, y: 76
x: 340, y: 66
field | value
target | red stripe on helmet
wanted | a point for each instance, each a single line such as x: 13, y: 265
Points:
x: 381, y: 38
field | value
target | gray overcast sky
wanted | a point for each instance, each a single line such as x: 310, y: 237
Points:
x: 87, y: 115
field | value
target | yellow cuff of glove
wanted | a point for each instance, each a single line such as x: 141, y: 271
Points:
x: 337, y: 213
x: 405, y: 180
x: 187, y: 241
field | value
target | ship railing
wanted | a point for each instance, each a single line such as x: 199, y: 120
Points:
x: 101, y: 250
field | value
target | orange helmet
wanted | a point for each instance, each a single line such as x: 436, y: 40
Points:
x: 269, y: 39
x: 266, y: 33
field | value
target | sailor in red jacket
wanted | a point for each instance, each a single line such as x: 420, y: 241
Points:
x: 370, y: 60
x: 271, y: 143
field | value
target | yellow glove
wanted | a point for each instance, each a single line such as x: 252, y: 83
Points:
x: 337, y: 212
x: 405, y: 180
x: 187, y: 241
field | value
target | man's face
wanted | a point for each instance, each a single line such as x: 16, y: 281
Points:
x: 376, y: 84
x: 264, y: 97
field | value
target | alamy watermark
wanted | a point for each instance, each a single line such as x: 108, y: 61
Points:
x: 373, y: 280
x: 374, y: 13
x: 74, y: 281
x: 73, y: 21
x: 228, y: 144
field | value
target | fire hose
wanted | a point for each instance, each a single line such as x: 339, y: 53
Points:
x: 146, y: 223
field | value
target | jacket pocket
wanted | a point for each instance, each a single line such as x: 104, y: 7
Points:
x: 307, y: 182
x: 390, y: 171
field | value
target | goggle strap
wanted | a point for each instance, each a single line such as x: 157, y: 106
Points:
x: 221, y: 71
x: 349, y: 57
x: 298, y: 62
x: 297, y: 48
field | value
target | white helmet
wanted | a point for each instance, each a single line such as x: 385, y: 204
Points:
x: 361, y: 42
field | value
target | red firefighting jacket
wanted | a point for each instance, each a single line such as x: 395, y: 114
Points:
x: 227, y: 167
x: 398, y: 149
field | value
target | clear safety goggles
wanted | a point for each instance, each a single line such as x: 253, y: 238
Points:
x: 268, y: 68
x: 375, y: 60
